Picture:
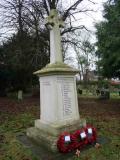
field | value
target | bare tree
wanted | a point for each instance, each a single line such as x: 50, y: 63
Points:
x: 29, y: 15
x: 34, y: 20
x: 84, y: 51
x: 12, y: 12
x: 18, y: 13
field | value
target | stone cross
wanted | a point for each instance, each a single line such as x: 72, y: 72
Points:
x: 54, y: 23
x: 58, y: 96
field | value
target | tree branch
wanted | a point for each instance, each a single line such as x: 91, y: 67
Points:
x: 73, y: 7
x: 46, y: 6
x: 72, y: 29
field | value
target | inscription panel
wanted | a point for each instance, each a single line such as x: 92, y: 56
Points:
x: 46, y: 100
x: 66, y: 86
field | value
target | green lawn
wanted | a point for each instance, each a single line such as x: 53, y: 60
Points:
x: 12, y: 124
x: 11, y: 148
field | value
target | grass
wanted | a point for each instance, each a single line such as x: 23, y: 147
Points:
x: 10, y: 147
x: 13, y: 124
x: 88, y: 94
x: 108, y: 151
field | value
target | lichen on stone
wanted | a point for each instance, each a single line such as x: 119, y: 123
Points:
x: 56, y: 68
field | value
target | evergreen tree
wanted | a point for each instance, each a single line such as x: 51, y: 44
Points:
x: 108, y: 35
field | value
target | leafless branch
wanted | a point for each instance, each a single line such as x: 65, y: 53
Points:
x: 73, y: 7
x: 72, y: 29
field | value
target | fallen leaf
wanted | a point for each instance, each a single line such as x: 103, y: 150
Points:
x: 77, y: 153
x: 97, y: 145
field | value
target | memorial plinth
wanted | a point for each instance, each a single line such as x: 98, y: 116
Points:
x: 58, y: 105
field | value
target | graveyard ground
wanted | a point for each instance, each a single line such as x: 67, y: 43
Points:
x: 15, y: 117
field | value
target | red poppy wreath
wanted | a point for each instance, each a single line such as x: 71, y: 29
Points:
x: 68, y: 142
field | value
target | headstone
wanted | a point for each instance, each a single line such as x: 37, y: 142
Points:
x: 105, y: 93
x: 58, y: 96
x: 20, y: 95
x: 80, y: 91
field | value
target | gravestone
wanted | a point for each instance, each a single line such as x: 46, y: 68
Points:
x: 58, y: 95
x: 105, y: 93
x: 20, y: 95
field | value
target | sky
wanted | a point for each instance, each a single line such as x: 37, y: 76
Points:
x: 88, y: 20
x: 90, y: 17
x: 96, y: 15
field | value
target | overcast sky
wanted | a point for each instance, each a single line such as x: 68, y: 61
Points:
x: 89, y: 18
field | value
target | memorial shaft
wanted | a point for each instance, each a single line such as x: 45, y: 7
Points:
x: 54, y: 23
